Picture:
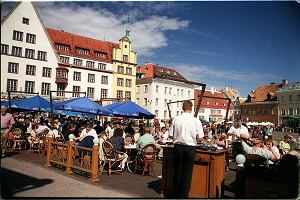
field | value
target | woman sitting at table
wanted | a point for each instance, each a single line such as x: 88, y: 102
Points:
x: 145, y: 139
x: 118, y: 143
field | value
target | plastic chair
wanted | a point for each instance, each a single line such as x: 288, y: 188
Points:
x: 146, y: 159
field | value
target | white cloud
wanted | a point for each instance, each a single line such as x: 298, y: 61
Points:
x: 146, y: 34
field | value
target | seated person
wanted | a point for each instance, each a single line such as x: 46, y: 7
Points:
x: 284, y: 145
x: 86, y: 132
x: 71, y: 130
x: 259, y: 149
x: 118, y: 143
x: 271, y: 147
x: 102, y: 138
x: 87, y: 142
x: 145, y: 139
x: 238, y: 130
x: 41, y: 127
x: 294, y: 149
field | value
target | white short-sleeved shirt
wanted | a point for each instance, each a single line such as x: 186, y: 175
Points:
x: 242, y: 130
x: 92, y: 132
x: 184, y: 129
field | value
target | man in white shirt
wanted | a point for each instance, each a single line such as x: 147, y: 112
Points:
x: 238, y: 130
x: 185, y: 129
x: 86, y: 132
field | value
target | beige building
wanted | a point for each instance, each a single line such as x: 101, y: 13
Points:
x: 289, y: 101
x: 124, y: 69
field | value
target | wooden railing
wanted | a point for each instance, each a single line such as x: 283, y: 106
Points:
x: 67, y: 155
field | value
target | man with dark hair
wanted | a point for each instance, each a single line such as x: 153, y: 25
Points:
x: 185, y: 130
x: 7, y: 122
x: 129, y: 129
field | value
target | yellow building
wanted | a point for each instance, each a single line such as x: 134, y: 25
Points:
x: 124, y: 69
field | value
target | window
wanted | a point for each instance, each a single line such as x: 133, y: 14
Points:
x: 62, y: 47
x: 298, y: 97
x: 119, y: 82
x: 45, y: 89
x: 29, y: 53
x: 170, y: 90
x: 178, y: 106
x: 166, y: 101
x: 181, y: 92
x: 61, y: 74
x: 42, y: 55
x: 104, y: 80
x: 178, y: 92
x: 156, y: 101
x: 13, y: 67
x: 291, y: 111
x: 60, y: 87
x: 82, y: 51
x: 298, y: 111
x: 90, y: 92
x: 100, y: 54
x: 25, y: 21
x: 30, y: 38
x: 17, y: 35
x: 4, y: 49
x: 77, y: 76
x: 29, y: 86
x: 177, y: 113
x: 103, y: 93
x: 77, y: 90
x: 166, y: 90
x: 30, y: 70
x: 102, y: 66
x: 16, y: 51
x: 120, y: 69
x: 11, y: 85
x: 165, y: 113
x: 90, y: 64
x: 64, y: 59
x: 145, y: 101
x: 290, y: 97
x: 77, y: 62
x: 145, y: 88
x: 119, y: 94
x: 137, y: 101
x: 125, y: 58
x: 157, y: 88
x: 282, y: 112
x: 189, y: 93
x: 127, y: 95
x: 138, y: 89
x: 128, y: 83
x: 128, y: 71
x: 91, y: 78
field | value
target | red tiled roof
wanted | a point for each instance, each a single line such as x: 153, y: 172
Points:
x: 77, y: 41
x: 260, y: 94
x: 212, y: 103
x: 155, y: 71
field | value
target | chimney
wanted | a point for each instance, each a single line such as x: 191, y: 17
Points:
x: 212, y: 90
x: 226, y: 89
x: 285, y: 82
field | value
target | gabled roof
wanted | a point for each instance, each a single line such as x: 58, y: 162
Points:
x: 155, y: 71
x: 76, y: 41
x: 261, y: 93
x: 211, y: 103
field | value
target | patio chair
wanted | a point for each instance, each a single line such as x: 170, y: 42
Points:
x: 146, y: 159
x: 111, y: 159
x: 19, y: 138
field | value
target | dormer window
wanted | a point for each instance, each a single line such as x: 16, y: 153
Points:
x: 63, y: 47
x: 100, y: 54
x: 125, y: 58
x: 168, y: 72
x: 82, y: 51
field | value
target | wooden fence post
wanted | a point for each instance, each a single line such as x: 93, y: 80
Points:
x: 95, y: 157
x: 69, y: 157
x: 49, y: 150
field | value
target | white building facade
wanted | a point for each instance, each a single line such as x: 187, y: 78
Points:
x: 28, y: 60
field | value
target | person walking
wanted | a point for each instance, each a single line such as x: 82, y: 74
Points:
x: 7, y: 122
x: 185, y: 130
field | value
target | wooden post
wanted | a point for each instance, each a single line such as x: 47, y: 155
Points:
x: 49, y: 150
x: 69, y: 158
x: 95, y: 157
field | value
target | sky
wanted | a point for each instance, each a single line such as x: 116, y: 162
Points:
x: 235, y: 44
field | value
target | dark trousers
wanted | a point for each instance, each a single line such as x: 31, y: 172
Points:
x: 184, y: 157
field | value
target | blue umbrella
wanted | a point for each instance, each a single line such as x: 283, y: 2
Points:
x: 113, y: 105
x: 36, y: 103
x: 82, y: 104
x: 14, y: 103
x: 131, y: 109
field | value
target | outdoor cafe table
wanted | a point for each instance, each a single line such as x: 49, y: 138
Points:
x: 128, y: 148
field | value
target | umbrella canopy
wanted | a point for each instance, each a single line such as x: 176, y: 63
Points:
x: 36, y: 103
x: 74, y: 113
x: 14, y: 103
x: 131, y: 109
x: 113, y: 105
x: 82, y: 104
